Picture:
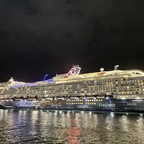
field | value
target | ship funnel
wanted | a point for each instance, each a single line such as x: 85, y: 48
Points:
x: 75, y: 70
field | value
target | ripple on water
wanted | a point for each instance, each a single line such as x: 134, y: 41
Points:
x: 31, y: 127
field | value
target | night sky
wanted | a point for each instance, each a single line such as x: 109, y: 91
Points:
x: 39, y: 37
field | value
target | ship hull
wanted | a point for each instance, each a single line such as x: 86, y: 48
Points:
x: 108, y: 105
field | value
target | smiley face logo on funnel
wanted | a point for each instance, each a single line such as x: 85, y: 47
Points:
x: 74, y: 71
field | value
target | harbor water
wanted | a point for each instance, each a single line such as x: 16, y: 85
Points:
x: 70, y: 127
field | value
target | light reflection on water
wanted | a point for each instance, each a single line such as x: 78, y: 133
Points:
x: 66, y: 127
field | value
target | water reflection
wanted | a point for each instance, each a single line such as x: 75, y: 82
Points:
x: 124, y: 123
x: 109, y: 122
x: 66, y: 127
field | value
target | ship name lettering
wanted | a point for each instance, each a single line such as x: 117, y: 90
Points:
x: 106, y: 105
x: 131, y: 104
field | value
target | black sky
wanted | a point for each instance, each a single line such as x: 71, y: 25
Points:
x: 49, y: 36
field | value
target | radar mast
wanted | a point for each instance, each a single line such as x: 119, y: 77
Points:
x: 116, y: 67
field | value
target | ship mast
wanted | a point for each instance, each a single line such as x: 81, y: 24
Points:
x: 116, y: 67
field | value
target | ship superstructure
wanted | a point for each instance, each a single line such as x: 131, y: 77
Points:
x: 103, y: 90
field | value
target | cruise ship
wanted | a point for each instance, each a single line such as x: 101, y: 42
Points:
x: 114, y: 91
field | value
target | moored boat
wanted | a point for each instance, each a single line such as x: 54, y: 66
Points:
x: 116, y: 90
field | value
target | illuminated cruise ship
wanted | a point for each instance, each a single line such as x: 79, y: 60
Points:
x: 116, y: 90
